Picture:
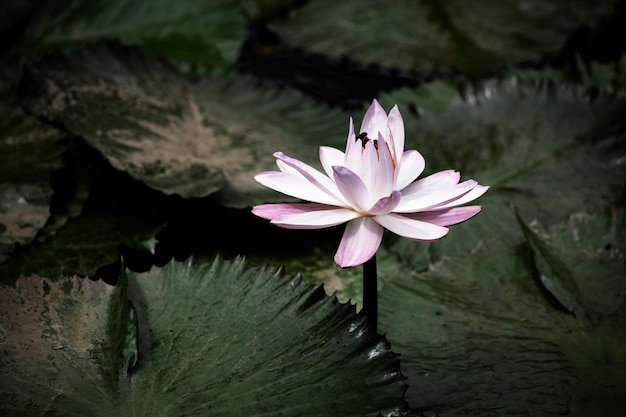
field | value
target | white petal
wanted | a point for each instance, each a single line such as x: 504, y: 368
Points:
x: 446, y: 217
x: 433, y: 197
x: 359, y: 243
x: 437, y: 180
x: 411, y: 229
x: 410, y: 167
x: 271, y: 211
x: 315, y: 219
x: 330, y: 157
x: 396, y: 127
x: 352, y: 188
x: 383, y: 169
x: 296, y: 186
x: 476, y: 192
x: 311, y: 174
x: 374, y: 121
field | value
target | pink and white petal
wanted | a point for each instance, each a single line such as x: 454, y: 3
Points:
x: 410, y: 228
x: 375, y: 120
x: 271, y: 211
x: 410, y: 167
x: 330, y: 157
x: 386, y: 204
x: 433, y: 197
x: 351, y: 142
x: 396, y: 126
x: 440, y: 179
x: 315, y: 219
x: 476, y: 192
x: 298, y: 187
x: 359, y: 243
x: 382, y: 184
x: 311, y: 174
x: 446, y: 217
x: 352, y: 188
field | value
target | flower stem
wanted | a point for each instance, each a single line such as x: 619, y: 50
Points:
x: 370, y: 291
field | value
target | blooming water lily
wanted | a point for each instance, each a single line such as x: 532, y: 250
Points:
x: 372, y: 187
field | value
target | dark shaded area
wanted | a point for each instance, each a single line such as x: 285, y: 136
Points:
x: 350, y: 85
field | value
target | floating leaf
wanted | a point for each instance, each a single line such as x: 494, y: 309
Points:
x: 84, y: 245
x: 213, y: 339
x: 550, y: 154
x: 481, y: 335
x: 179, y: 137
x: 200, y: 35
x: 478, y: 38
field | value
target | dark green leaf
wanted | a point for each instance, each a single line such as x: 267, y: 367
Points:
x: 177, y: 136
x: 451, y: 35
x: 213, y: 339
x: 84, y: 245
x: 550, y: 154
x: 481, y: 335
x: 201, y: 35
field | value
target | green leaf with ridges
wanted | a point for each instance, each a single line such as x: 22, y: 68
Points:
x: 481, y: 335
x: 178, y: 136
x: 477, y: 38
x: 213, y: 339
x: 201, y: 36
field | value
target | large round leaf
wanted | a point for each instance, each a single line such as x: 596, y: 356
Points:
x: 177, y: 136
x: 470, y: 37
x: 494, y: 332
x: 212, y: 339
x: 548, y: 153
x: 200, y: 35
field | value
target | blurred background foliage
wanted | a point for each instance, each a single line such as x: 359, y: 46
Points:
x: 132, y: 130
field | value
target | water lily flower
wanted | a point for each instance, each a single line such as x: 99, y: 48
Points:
x: 372, y: 187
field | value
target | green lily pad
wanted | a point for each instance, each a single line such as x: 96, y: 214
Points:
x: 482, y: 334
x: 477, y: 38
x: 200, y: 36
x: 178, y: 136
x: 212, y: 339
x: 84, y: 245
x: 548, y: 153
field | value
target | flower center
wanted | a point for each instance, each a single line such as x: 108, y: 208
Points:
x: 365, y: 139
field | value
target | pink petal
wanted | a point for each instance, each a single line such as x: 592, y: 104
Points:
x: 410, y: 167
x: 476, y: 192
x: 438, y: 180
x: 330, y: 157
x: 396, y: 127
x: 315, y: 219
x: 359, y: 243
x: 352, y: 188
x: 410, y: 228
x: 386, y: 204
x: 271, y: 211
x: 311, y: 174
x: 383, y: 170
x: 374, y: 121
x: 433, y: 197
x: 446, y: 217
x: 351, y: 135
x: 296, y: 186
